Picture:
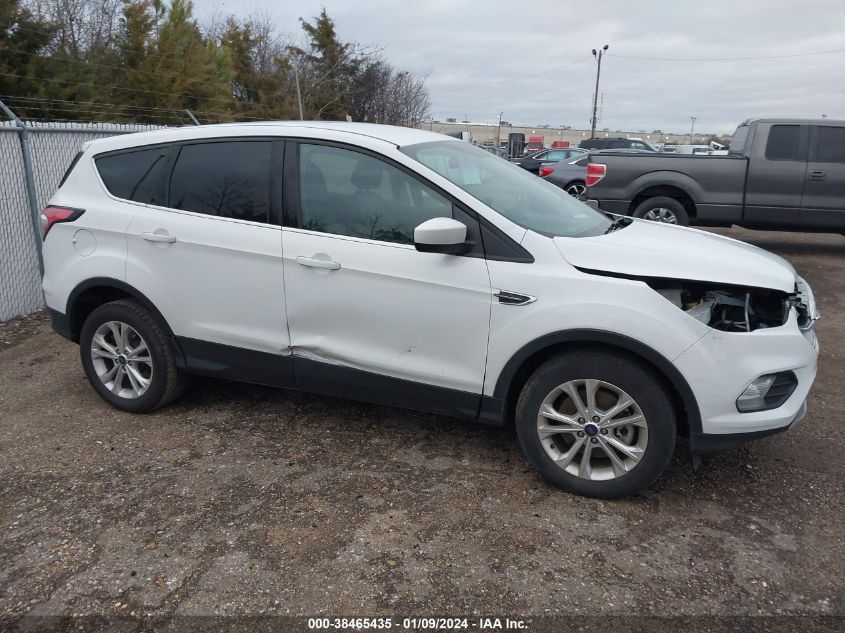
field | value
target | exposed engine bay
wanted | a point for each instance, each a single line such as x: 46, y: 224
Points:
x: 737, y: 309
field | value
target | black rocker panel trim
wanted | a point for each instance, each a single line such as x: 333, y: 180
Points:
x: 356, y: 384
x: 290, y: 372
x: 669, y: 371
x: 236, y: 363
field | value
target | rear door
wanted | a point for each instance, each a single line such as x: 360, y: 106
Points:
x: 823, y: 204
x: 209, y: 256
x: 776, y: 173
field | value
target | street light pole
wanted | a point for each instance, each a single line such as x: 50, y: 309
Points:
x: 598, y: 56
x: 692, y: 128
x: 499, y: 130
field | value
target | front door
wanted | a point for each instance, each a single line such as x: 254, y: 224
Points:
x: 823, y: 205
x: 369, y: 316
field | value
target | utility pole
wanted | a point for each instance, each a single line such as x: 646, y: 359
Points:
x: 298, y: 93
x: 692, y: 128
x: 499, y: 130
x: 598, y: 56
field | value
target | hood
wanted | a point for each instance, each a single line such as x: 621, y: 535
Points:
x: 653, y: 249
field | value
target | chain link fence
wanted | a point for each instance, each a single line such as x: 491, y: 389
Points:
x: 51, y: 148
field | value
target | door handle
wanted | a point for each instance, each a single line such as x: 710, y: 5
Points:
x: 312, y: 262
x: 817, y: 175
x: 159, y: 237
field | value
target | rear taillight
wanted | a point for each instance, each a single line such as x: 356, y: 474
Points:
x: 57, y: 215
x: 595, y: 172
x: 545, y: 171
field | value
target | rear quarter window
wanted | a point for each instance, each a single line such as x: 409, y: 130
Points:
x: 135, y: 175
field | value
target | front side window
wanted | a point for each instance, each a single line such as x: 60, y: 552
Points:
x: 513, y: 192
x: 784, y: 143
x: 830, y: 144
x: 228, y: 179
x: 349, y: 193
x: 134, y: 175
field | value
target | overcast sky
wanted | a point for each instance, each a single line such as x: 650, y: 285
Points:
x: 480, y: 55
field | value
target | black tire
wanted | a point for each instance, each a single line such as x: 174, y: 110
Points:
x: 638, y: 381
x: 167, y: 382
x: 663, y: 202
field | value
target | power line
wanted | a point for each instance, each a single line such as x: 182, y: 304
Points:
x: 520, y: 78
x: 129, y: 106
x: 179, y: 112
x: 150, y: 73
x: 727, y: 59
x: 110, y: 109
x: 46, y: 100
x: 93, y: 85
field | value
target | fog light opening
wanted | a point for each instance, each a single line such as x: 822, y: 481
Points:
x: 767, y: 392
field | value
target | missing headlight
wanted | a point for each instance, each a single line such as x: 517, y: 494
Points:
x: 731, y: 309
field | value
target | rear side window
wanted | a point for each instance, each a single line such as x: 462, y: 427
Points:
x: 226, y: 179
x: 737, y: 145
x: 784, y: 143
x: 135, y: 175
x: 830, y: 144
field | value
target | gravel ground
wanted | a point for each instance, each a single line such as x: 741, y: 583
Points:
x: 246, y: 501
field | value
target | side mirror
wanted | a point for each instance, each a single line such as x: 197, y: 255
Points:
x: 441, y: 235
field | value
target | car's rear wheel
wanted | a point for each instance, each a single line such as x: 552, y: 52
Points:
x: 597, y: 424
x: 128, y: 359
x: 662, y: 209
x: 576, y: 190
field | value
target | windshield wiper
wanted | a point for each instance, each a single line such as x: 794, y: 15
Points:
x: 618, y: 223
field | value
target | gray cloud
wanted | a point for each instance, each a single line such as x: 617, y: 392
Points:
x: 471, y: 48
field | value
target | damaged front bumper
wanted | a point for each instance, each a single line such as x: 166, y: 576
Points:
x: 721, y: 365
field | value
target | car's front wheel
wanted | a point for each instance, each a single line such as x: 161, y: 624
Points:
x: 597, y: 424
x: 127, y: 358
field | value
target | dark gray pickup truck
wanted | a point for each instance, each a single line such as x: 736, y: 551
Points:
x: 782, y: 174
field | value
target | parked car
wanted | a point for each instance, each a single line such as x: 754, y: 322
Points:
x: 570, y: 175
x: 407, y: 268
x: 533, y: 161
x: 780, y: 174
x: 616, y: 142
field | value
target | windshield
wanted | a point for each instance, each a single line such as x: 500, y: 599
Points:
x: 518, y: 195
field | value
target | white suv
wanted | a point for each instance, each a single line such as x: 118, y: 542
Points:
x: 411, y: 269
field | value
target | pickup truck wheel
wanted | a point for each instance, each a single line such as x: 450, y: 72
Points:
x: 596, y: 423
x: 662, y: 209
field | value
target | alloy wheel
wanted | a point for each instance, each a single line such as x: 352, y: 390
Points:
x: 592, y: 429
x: 576, y: 191
x: 121, y: 359
x: 661, y: 214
